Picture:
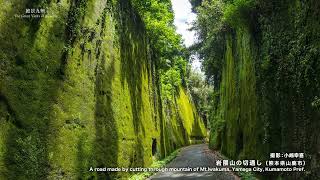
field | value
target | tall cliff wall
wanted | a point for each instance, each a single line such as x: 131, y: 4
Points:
x: 78, y: 90
x: 269, y: 90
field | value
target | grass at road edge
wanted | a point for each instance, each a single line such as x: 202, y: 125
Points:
x: 157, y: 164
x: 246, y: 176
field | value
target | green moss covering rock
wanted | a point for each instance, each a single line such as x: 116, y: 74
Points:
x: 77, y: 91
x: 263, y: 57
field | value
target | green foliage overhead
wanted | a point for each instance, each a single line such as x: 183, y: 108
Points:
x: 210, y: 30
x: 237, y: 12
x: 201, y: 92
x: 158, y: 17
x: 195, y: 4
x: 215, y: 18
x: 167, y: 47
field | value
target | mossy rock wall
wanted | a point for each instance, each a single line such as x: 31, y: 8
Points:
x: 239, y: 135
x: 77, y: 91
x: 183, y: 123
x: 269, y: 92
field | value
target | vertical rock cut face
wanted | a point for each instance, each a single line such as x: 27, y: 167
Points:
x: 77, y: 91
x: 269, y: 87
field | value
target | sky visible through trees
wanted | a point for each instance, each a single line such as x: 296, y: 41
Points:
x: 183, y: 18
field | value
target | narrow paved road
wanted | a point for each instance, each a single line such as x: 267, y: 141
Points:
x: 195, y: 156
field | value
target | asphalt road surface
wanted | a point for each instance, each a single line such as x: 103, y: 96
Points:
x: 194, y: 156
